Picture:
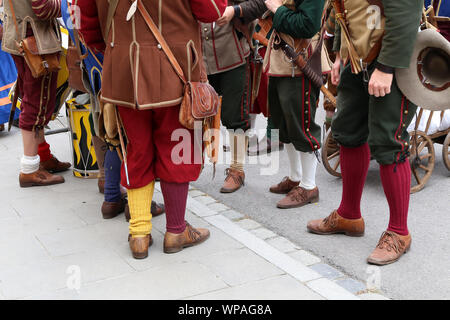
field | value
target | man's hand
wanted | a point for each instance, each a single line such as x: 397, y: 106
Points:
x: 273, y: 5
x: 227, y: 16
x: 336, y: 70
x: 380, y: 83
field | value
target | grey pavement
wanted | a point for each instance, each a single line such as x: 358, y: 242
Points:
x: 54, y: 244
x: 423, y: 273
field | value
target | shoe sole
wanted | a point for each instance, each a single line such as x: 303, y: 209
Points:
x: 112, y: 216
x: 229, y: 190
x: 315, y: 200
x: 349, y: 234
x: 178, y: 249
x: 140, y: 256
x: 280, y: 192
x: 31, y: 184
x: 58, y: 171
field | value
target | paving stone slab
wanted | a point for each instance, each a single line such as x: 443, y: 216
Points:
x: 207, y: 200
x: 218, y: 207
x: 283, y: 244
x: 263, y: 249
x: 281, y: 288
x: 31, y: 277
x: 236, y: 267
x: 175, y: 281
x: 330, y: 290
x: 354, y: 286
x: 327, y: 271
x: 304, y: 257
x: 196, y: 193
x: 18, y: 247
x: 248, y: 224
x: 263, y: 233
x: 372, y: 296
x: 232, y: 215
x: 73, y: 241
x: 96, y: 265
x: 218, y: 242
x: 7, y: 212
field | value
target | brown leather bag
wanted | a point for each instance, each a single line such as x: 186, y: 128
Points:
x: 40, y: 65
x: 200, y: 100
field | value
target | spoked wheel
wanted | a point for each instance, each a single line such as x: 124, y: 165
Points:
x: 422, y: 159
x: 331, y: 156
x: 446, y: 151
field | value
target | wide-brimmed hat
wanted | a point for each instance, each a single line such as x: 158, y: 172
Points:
x: 426, y: 82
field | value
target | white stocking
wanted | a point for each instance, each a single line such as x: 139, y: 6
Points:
x: 295, y: 169
x: 309, y: 166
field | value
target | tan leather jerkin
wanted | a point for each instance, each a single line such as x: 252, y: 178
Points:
x: 362, y: 25
x: 40, y: 65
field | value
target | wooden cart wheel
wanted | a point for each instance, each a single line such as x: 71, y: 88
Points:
x: 331, y: 155
x: 422, y: 159
x: 446, y: 151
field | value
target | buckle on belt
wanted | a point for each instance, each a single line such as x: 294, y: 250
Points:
x: 364, y: 70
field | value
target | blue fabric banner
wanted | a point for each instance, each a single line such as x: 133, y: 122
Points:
x: 8, y: 75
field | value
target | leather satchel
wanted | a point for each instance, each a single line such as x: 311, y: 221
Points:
x: 40, y: 65
x: 200, y: 100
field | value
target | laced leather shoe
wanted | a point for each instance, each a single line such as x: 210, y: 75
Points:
x: 390, y: 248
x: 284, y: 187
x: 189, y: 237
x: 334, y: 223
x: 54, y: 165
x: 298, y: 197
x: 139, y: 246
x: 234, y: 180
x: 39, y: 178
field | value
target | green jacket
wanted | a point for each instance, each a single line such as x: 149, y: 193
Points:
x: 300, y: 26
x: 402, y: 24
x: 288, y: 20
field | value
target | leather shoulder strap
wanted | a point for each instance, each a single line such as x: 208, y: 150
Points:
x: 11, y: 7
x: 111, y: 11
x: 76, y: 36
x: 162, y: 42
